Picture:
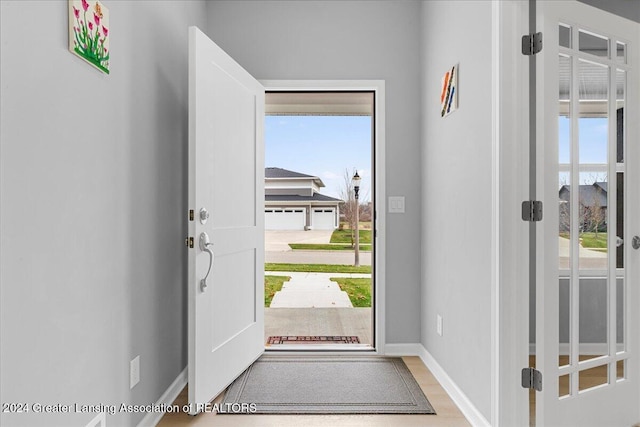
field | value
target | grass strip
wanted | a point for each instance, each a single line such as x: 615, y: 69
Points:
x: 317, y: 268
x: 344, y: 236
x: 327, y: 247
x: 359, y: 290
x: 272, y: 284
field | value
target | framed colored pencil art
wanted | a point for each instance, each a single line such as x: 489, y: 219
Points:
x: 449, y: 92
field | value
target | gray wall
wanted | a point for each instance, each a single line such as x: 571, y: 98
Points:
x: 456, y: 196
x: 349, y: 40
x: 93, y: 196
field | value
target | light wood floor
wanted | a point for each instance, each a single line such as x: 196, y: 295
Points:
x: 448, y: 413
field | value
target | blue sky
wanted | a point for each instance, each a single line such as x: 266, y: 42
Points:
x: 322, y: 146
x: 593, y: 134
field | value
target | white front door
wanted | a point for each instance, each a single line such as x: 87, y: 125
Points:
x: 226, y: 177
x: 588, y: 273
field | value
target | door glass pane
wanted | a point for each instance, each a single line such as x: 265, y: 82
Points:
x: 594, y: 310
x: 592, y: 221
x: 620, y: 314
x: 564, y: 35
x: 621, y: 80
x: 593, y: 377
x: 564, y: 117
x: 563, y: 385
x: 620, y: 365
x: 621, y: 52
x: 564, y: 279
x: 593, y: 118
x: 593, y: 44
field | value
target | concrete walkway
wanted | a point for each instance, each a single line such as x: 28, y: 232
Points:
x: 307, y: 290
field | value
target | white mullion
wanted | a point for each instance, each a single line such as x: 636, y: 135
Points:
x: 574, y: 292
x: 612, y: 219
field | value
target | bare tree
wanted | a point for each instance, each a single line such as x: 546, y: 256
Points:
x: 596, y: 215
x: 350, y: 205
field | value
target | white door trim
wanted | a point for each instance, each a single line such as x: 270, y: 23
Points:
x: 378, y: 87
x: 510, y: 243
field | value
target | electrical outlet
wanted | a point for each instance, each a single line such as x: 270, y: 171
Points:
x: 134, y: 372
x: 439, y: 324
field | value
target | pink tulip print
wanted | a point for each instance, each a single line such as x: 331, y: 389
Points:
x: 86, y: 20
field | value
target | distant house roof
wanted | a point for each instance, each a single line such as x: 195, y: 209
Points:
x: 279, y: 173
x: 284, y: 173
x: 317, y: 197
x: 590, y: 195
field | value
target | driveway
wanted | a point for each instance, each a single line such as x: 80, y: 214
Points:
x: 276, y: 243
x: 278, y: 240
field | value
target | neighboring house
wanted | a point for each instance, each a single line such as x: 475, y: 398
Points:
x: 593, y: 206
x: 293, y: 202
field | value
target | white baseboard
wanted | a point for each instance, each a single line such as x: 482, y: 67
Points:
x: 473, y: 415
x: 167, y: 398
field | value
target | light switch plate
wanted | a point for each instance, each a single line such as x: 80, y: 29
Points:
x: 396, y: 204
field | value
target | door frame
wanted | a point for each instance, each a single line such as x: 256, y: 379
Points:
x: 510, y: 293
x: 378, y: 152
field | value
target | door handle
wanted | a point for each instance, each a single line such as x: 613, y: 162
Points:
x: 204, y: 247
x: 635, y: 242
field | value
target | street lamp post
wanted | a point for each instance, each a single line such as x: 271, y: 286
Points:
x: 356, y: 189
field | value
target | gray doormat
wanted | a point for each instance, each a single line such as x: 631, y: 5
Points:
x: 328, y: 385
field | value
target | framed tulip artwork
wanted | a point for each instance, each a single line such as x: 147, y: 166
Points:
x: 89, y: 32
x: 449, y: 92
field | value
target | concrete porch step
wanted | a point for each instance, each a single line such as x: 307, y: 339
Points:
x: 310, y: 298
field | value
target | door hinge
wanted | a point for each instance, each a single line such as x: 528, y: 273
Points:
x: 532, y: 378
x: 531, y: 43
x: 188, y: 242
x: 531, y: 210
x: 191, y: 215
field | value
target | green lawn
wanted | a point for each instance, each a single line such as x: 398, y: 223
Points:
x: 359, y: 290
x: 589, y: 240
x: 272, y: 284
x: 317, y: 268
x: 327, y: 247
x: 344, y: 236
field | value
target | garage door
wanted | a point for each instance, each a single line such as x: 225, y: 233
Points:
x: 324, y: 219
x: 284, y: 219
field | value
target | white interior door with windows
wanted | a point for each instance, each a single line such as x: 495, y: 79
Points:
x: 588, y: 269
x: 226, y: 262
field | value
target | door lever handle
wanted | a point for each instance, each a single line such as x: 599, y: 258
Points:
x: 204, y: 247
